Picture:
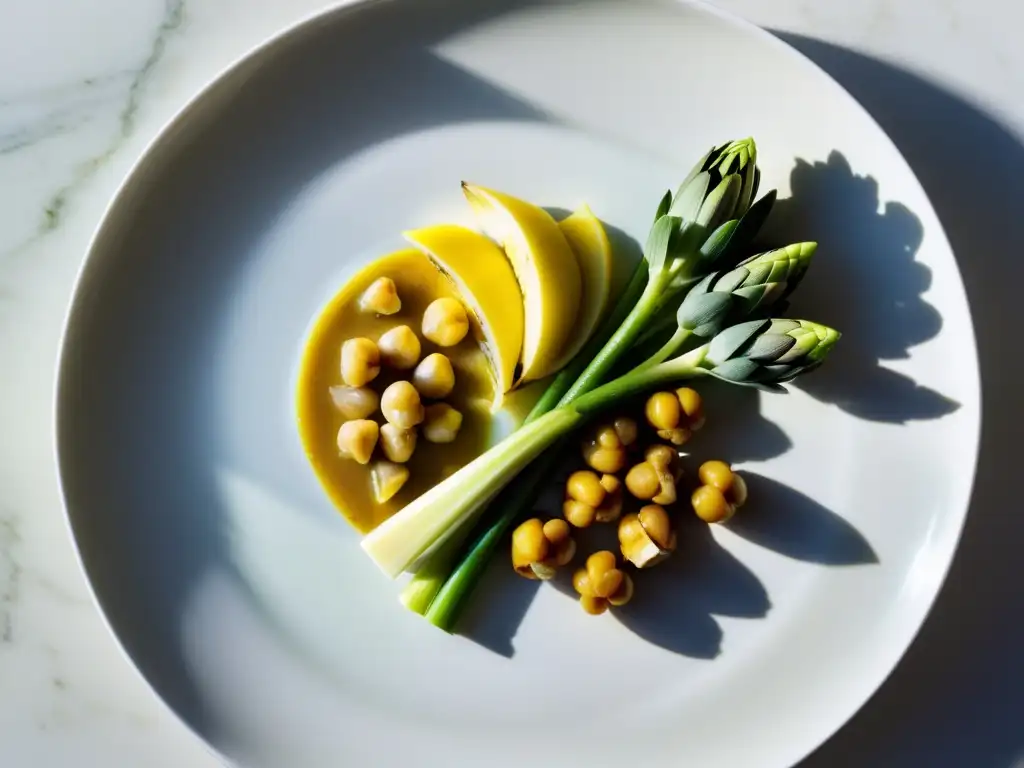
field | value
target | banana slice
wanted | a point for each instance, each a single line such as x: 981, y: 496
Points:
x: 589, y: 243
x: 547, y: 271
x: 487, y: 285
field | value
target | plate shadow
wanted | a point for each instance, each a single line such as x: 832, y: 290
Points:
x: 956, y: 697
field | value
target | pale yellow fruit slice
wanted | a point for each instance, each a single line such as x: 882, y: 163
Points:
x: 483, y: 278
x: 547, y: 271
x: 593, y: 250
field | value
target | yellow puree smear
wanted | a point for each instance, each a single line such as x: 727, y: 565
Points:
x: 346, y: 482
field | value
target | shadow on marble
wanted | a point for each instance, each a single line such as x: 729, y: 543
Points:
x: 957, y: 696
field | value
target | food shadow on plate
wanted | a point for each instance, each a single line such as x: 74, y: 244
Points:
x: 674, y: 606
x: 864, y: 281
x: 786, y: 521
x: 676, y: 602
x: 956, y: 697
x: 148, y: 515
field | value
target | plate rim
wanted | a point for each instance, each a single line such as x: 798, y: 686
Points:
x: 250, y: 56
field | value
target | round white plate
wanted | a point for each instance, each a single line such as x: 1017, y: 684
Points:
x: 244, y: 598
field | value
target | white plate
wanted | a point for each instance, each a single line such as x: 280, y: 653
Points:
x: 242, y: 595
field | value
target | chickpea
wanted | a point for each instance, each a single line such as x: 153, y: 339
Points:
x: 578, y: 514
x: 434, y: 377
x: 529, y: 545
x: 607, y: 461
x: 556, y: 531
x: 611, y: 508
x: 667, y: 466
x: 664, y: 458
x: 720, y: 475
x: 655, y: 522
x: 626, y: 429
x: 646, y: 538
x: 357, y: 439
x: 539, y: 549
x: 586, y: 487
x: 722, y: 493
x: 442, y: 423
x: 445, y: 322
x: 607, y: 437
x: 601, y: 583
x: 398, y: 444
x: 643, y: 481
x: 355, y: 402
x: 624, y: 593
x: 381, y: 297
x: 387, y: 479
x: 664, y: 469
x: 401, y: 405
x: 693, y: 407
x: 595, y: 606
x: 677, y: 436
x: 360, y: 362
x: 663, y: 410
x: 399, y: 347
x: 711, y: 505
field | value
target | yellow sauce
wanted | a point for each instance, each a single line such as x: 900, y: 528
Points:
x: 346, y: 482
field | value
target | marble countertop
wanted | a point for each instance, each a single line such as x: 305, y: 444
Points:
x: 85, y: 86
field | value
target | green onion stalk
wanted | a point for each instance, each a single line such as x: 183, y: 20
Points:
x: 759, y: 353
x: 721, y: 184
x: 709, y: 220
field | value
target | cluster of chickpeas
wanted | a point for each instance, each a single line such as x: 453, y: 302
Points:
x: 406, y: 416
x: 653, y: 481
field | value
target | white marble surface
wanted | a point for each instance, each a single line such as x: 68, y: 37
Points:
x: 84, y: 86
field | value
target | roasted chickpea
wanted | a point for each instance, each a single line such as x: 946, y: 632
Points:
x: 585, y: 486
x: 646, y: 538
x: 398, y: 444
x: 445, y: 322
x: 399, y: 347
x: 722, y: 493
x: 355, y: 402
x: 442, y: 423
x: 663, y: 410
x: 578, y: 514
x: 539, y: 549
x: 360, y: 362
x: 401, y: 405
x: 611, y: 507
x: 642, y: 481
x: 387, y: 479
x: 434, y: 377
x: 357, y: 439
x: 601, y: 583
x: 381, y: 297
x: 607, y: 461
